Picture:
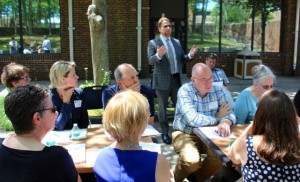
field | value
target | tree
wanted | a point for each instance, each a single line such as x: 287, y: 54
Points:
x: 203, y: 20
x: 193, y: 6
x: 199, y: 7
x: 262, y: 9
x: 97, y: 16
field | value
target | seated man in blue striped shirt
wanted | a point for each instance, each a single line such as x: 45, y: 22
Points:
x: 218, y: 73
x: 199, y: 104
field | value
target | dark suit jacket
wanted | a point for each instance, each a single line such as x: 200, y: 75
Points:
x: 162, y: 70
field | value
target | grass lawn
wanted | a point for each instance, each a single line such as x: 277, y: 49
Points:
x: 211, y: 42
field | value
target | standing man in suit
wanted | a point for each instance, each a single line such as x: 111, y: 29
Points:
x: 166, y: 55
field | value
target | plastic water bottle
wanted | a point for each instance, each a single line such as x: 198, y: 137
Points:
x: 75, y: 133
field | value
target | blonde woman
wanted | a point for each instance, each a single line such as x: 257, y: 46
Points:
x: 125, y: 118
x: 68, y: 99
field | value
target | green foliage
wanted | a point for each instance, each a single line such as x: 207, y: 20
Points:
x: 169, y: 109
x: 36, y: 14
x: 105, y: 81
x: 237, y: 15
x: 106, y: 77
x: 86, y: 84
x: 95, y: 112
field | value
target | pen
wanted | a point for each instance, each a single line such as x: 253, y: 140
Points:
x: 217, y: 132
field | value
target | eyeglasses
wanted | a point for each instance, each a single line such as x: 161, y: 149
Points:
x: 52, y: 109
x: 166, y: 26
x: 267, y: 87
x: 203, y: 80
x: 26, y: 78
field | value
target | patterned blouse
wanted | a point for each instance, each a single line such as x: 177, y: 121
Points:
x: 257, y: 170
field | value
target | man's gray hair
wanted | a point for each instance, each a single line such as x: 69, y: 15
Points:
x: 118, y: 73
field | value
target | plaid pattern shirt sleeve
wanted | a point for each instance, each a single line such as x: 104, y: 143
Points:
x: 192, y: 110
x: 219, y: 75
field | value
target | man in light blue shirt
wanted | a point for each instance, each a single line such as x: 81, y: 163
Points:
x: 199, y: 104
x: 46, y: 45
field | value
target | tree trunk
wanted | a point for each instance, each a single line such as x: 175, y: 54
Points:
x: 202, y: 31
x: 264, y: 16
x: 49, y: 17
x: 97, y: 15
x: 30, y: 23
x: 194, y: 23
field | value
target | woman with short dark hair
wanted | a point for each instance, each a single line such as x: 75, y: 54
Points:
x: 23, y: 156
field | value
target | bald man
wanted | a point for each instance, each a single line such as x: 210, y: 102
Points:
x: 127, y: 78
x: 199, y: 104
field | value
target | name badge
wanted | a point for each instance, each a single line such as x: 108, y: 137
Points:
x: 213, y: 105
x: 77, y: 103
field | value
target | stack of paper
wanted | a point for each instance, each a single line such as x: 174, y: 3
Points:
x: 211, y: 132
x: 150, y: 131
x: 77, y: 152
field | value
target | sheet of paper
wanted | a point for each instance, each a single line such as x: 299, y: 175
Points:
x: 77, y: 152
x: 54, y: 137
x: 150, y: 131
x: 3, y: 135
x: 210, y: 132
x: 153, y: 147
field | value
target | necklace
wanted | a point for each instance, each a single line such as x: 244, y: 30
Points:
x: 130, y: 145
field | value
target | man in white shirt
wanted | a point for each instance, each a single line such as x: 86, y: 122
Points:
x: 13, y: 46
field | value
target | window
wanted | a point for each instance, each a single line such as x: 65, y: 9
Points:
x: 29, y: 26
x: 234, y: 25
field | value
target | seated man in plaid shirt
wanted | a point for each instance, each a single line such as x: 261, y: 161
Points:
x: 199, y: 104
